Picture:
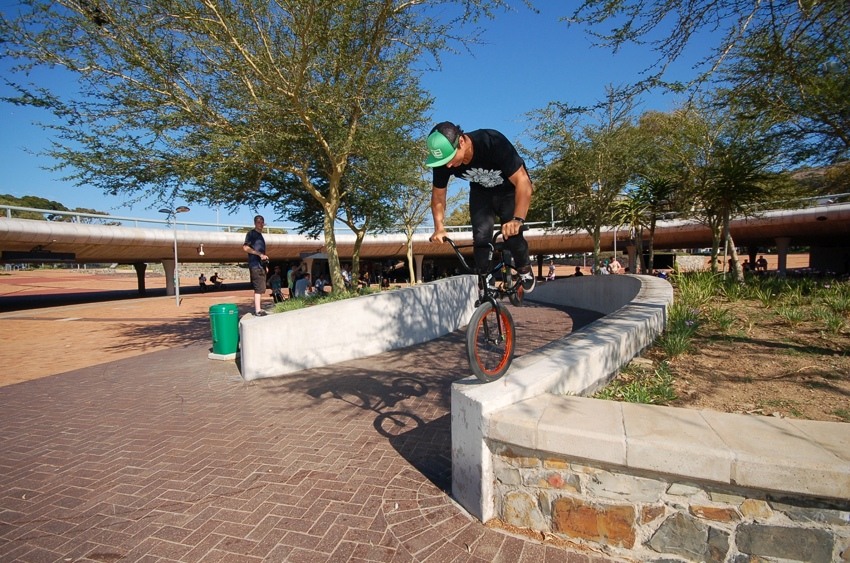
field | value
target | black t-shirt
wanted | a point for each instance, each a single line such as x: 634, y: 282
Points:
x: 494, y: 160
x: 255, y: 240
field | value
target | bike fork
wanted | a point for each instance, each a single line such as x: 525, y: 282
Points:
x: 499, y: 333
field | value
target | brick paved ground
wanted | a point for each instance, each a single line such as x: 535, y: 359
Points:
x: 165, y: 455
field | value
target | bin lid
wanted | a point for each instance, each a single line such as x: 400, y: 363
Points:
x: 224, y: 309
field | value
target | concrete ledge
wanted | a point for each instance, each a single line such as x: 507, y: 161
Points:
x: 353, y: 328
x: 781, y: 455
x: 635, y: 308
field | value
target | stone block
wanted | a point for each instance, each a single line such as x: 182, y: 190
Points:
x: 521, y: 509
x: 755, y: 509
x: 612, y: 525
x: 716, y: 513
x: 682, y: 535
x: 797, y: 544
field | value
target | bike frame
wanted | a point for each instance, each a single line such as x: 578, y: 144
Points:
x: 491, y: 293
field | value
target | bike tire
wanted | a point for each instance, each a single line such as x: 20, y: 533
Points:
x: 511, y: 278
x: 516, y: 297
x: 489, y: 355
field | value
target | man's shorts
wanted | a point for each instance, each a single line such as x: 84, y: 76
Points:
x: 258, y: 280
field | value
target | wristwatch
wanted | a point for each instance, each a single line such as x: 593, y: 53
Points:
x: 520, y: 219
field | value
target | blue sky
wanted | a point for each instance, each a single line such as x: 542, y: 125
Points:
x: 524, y: 61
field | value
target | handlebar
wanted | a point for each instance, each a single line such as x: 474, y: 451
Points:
x: 491, y: 245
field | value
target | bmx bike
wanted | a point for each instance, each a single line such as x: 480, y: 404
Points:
x: 491, y: 334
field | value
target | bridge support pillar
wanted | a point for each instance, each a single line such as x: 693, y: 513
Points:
x: 140, y: 268
x: 168, y: 265
x: 782, y: 244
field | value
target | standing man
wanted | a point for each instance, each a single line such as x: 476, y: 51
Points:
x: 255, y: 246
x: 498, y: 185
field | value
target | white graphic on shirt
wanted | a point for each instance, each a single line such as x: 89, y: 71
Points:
x: 486, y: 178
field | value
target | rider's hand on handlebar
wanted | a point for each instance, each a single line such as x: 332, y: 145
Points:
x: 511, y: 228
x: 439, y: 236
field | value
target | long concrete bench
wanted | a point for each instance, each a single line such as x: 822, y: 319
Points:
x: 338, y: 331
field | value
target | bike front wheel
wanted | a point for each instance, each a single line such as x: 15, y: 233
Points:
x: 490, y: 342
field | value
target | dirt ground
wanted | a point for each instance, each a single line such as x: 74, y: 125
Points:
x: 763, y: 366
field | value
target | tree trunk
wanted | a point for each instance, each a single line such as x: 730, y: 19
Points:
x: 651, y: 247
x: 734, y: 264
x: 359, y: 235
x: 410, y: 265
x: 596, y: 248
x: 337, y: 284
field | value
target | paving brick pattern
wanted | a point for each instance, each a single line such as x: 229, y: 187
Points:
x: 170, y: 456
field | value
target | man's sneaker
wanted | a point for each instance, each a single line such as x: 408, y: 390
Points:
x: 260, y: 313
x: 527, y: 278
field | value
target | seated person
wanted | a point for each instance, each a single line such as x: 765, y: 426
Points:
x: 302, y: 282
x: 320, y: 284
x: 217, y: 281
x: 364, y: 280
x: 276, y: 285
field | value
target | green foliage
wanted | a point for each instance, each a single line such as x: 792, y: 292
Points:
x: 301, y: 302
x: 791, y: 315
x: 36, y: 202
x: 784, y: 64
x: 589, y: 161
x: 843, y: 414
x: 238, y: 103
x: 696, y: 289
x: 721, y: 317
x: 634, y: 385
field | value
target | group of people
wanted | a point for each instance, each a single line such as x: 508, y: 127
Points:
x: 216, y: 281
x: 759, y: 265
x: 299, y: 283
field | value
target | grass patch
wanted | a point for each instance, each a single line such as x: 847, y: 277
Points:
x: 843, y: 414
x: 637, y: 385
x: 301, y: 302
x: 791, y: 315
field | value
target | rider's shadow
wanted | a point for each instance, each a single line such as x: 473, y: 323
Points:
x: 370, y: 393
x: 426, y: 446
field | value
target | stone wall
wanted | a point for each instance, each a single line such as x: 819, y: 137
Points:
x: 653, y: 518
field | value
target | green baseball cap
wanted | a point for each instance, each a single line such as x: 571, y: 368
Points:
x: 440, y: 150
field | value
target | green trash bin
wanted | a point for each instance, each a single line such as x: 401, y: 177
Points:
x: 224, y: 321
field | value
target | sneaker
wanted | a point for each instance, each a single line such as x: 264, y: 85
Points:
x: 527, y: 278
x: 260, y: 313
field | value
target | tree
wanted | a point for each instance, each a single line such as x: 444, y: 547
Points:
x: 740, y: 179
x: 783, y: 62
x: 588, y: 166
x: 208, y: 100
x: 793, y: 77
x: 459, y: 214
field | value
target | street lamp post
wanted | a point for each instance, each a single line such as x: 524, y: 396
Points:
x: 172, y: 216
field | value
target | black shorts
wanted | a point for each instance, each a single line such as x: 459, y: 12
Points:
x: 258, y: 280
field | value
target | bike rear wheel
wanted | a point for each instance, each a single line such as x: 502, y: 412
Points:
x: 511, y: 278
x: 490, y: 342
x: 516, y: 297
